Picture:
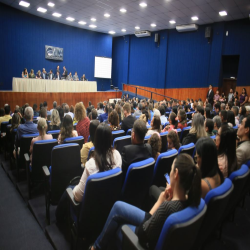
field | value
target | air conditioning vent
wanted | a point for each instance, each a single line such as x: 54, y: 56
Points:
x: 186, y: 28
x: 142, y: 33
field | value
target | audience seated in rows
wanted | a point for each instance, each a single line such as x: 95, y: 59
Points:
x: 42, y: 128
x: 55, y: 120
x: 209, y: 126
x: 6, y: 116
x: 243, y: 148
x: 184, y: 177
x: 128, y: 121
x: 155, y: 143
x: 103, y: 117
x: 197, y: 130
x: 217, y: 124
x: 67, y: 129
x: 226, y: 145
x: 138, y: 151
x: 182, y: 117
x: 82, y: 126
x: 173, y: 140
x: 163, y: 117
x: 113, y: 120
x: 207, y: 161
x: 173, y: 123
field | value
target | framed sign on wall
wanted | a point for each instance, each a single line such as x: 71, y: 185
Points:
x: 53, y: 53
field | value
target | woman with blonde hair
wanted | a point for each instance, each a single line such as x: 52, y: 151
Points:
x: 42, y: 128
x: 82, y: 126
x: 197, y: 130
x: 55, y: 120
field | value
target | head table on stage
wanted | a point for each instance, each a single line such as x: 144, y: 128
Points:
x: 44, y: 85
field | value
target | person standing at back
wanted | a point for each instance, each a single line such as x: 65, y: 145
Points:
x: 138, y: 151
x: 210, y: 95
x: 128, y: 121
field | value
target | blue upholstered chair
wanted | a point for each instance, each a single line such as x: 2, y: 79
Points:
x: 120, y: 142
x: 164, y: 142
x: 65, y: 165
x: 129, y: 131
x: 88, y: 217
x: 188, y: 149
x: 217, y: 201
x: 185, y: 132
x: 137, y: 182
x: 179, y: 131
x: 179, y: 230
x: 91, y: 151
x: 117, y: 133
x: 54, y: 133
x: 78, y: 139
x: 146, y: 138
x: 41, y: 156
x: 162, y: 166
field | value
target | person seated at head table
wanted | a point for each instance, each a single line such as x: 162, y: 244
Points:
x: 25, y: 73
x: 50, y: 75
x: 44, y: 74
x: 31, y: 74
x: 38, y: 75
x: 75, y: 77
x: 69, y: 77
x: 57, y: 76
x: 83, y: 78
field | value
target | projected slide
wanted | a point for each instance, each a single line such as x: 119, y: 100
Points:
x: 103, y: 66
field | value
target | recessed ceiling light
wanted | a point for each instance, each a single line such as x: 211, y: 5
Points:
x: 143, y: 4
x: 223, y: 13
x: 93, y: 19
x: 111, y: 32
x: 71, y: 19
x: 24, y: 4
x: 82, y: 22
x: 40, y: 9
x: 51, y: 4
x: 56, y: 14
x: 194, y: 18
x: 106, y: 15
x: 123, y: 10
x: 172, y: 21
x: 123, y: 30
x: 153, y: 25
x: 137, y: 27
x: 92, y: 26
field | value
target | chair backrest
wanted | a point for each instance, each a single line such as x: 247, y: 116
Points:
x: 185, y: 132
x: 91, y: 151
x: 217, y: 201
x: 25, y: 147
x: 54, y: 133
x: 137, y: 182
x: 101, y: 192
x: 164, y: 142
x: 120, y: 142
x: 179, y: 131
x: 146, y: 138
x: 78, y: 139
x: 117, y: 133
x: 129, y: 131
x: 239, y: 179
x: 4, y: 127
x: 188, y: 149
x: 185, y: 223
x: 41, y: 156
x: 65, y: 165
x: 162, y: 166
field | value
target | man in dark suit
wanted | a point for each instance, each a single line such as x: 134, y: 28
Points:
x: 128, y: 121
x: 57, y: 76
x: 65, y: 73
x: 210, y: 95
x: 50, y: 75
x: 44, y: 74
x: 138, y: 151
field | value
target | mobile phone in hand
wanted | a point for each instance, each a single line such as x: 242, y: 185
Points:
x: 167, y: 178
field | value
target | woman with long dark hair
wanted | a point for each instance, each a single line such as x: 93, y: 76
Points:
x: 185, y: 191
x: 207, y: 161
x: 243, y: 97
x: 155, y: 126
x: 172, y: 123
x: 67, y: 129
x: 226, y: 145
x: 105, y: 158
x: 182, y: 117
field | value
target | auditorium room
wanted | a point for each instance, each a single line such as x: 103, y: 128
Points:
x: 125, y: 124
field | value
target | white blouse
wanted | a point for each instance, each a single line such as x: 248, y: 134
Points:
x: 91, y: 168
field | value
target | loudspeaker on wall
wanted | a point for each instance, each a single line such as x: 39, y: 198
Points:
x: 156, y: 38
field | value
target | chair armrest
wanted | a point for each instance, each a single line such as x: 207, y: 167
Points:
x: 71, y: 197
x: 46, y: 171
x: 130, y: 240
x: 26, y: 157
x: 75, y: 181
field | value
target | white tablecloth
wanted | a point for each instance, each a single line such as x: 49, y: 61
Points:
x: 41, y: 85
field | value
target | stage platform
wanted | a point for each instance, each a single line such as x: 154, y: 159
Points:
x: 20, y: 98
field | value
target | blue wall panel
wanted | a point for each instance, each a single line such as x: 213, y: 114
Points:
x: 23, y: 40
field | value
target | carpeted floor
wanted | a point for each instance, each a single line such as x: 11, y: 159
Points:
x: 18, y: 227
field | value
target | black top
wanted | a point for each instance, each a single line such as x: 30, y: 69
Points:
x: 128, y: 123
x: 150, y: 229
x: 189, y: 138
x: 134, y: 153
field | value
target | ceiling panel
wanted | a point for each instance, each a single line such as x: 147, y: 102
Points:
x: 157, y: 11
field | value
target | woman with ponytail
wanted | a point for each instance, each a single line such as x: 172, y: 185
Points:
x: 207, y: 161
x: 185, y: 191
x: 42, y: 128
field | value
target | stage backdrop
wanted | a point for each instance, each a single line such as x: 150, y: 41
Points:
x: 23, y: 40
